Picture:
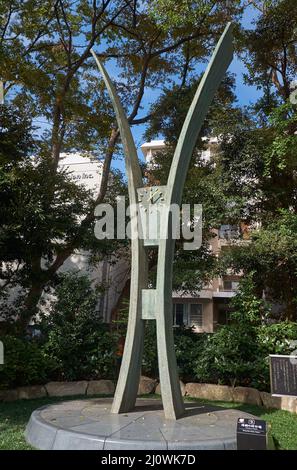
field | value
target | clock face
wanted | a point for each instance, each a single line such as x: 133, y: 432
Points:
x: 151, y: 195
x: 151, y: 202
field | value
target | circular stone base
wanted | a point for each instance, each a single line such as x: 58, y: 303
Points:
x: 88, y: 425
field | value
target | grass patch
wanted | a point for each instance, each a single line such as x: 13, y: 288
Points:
x: 15, y: 415
x: 283, y: 423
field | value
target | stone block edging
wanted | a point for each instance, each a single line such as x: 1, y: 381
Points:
x: 59, y: 389
x: 246, y: 395
x: 147, y: 385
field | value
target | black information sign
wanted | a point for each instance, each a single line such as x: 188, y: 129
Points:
x: 283, y: 375
x: 251, y: 434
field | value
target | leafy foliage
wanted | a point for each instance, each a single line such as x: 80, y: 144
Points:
x: 25, y: 363
x: 73, y: 343
x: 247, y: 308
x: 269, y: 50
x: 184, y: 14
x: 187, y: 344
x: 45, y: 55
x: 230, y: 356
x: 238, y: 353
x: 278, y: 338
x: 272, y: 258
x: 81, y: 346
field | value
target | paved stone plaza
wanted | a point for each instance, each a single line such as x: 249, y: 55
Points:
x: 88, y: 424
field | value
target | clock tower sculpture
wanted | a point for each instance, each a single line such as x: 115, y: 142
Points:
x: 156, y: 304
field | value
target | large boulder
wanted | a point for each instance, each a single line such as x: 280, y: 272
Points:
x: 146, y: 385
x: 247, y: 395
x: 30, y: 392
x: 64, y: 389
x: 279, y: 403
x: 182, y: 388
x: 97, y: 387
x: 209, y: 391
x: 270, y: 401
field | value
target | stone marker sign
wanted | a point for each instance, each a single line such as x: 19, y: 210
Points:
x: 283, y: 375
x: 251, y: 434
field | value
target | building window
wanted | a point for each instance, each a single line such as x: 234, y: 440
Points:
x: 228, y: 232
x: 180, y: 314
x: 180, y: 319
x: 231, y: 286
x: 187, y: 315
x: 196, y: 318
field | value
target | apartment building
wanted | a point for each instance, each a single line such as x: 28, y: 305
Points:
x: 205, y: 310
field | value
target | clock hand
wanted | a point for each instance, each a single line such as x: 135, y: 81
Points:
x: 153, y: 194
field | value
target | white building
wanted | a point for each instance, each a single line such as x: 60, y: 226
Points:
x: 87, y: 171
x: 84, y: 169
x: 150, y: 149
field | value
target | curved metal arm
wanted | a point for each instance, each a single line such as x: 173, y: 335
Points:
x: 131, y: 158
x: 209, y: 84
x: 128, y: 381
x: 172, y: 399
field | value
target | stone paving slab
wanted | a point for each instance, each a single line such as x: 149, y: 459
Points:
x: 88, y: 424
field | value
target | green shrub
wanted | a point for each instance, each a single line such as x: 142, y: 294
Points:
x: 77, y: 345
x: 278, y: 338
x: 187, y: 345
x: 188, y: 348
x: 25, y: 363
x: 238, y: 353
x: 78, y: 342
x: 232, y: 356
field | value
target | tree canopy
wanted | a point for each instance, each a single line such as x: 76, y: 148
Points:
x: 55, y: 102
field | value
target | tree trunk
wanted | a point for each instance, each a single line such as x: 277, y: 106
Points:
x: 30, y: 305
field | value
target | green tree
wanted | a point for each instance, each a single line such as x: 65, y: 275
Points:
x: 48, y: 73
x: 78, y: 344
x: 40, y: 212
x: 231, y: 354
x: 269, y: 51
x: 259, y: 161
x: 272, y: 258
